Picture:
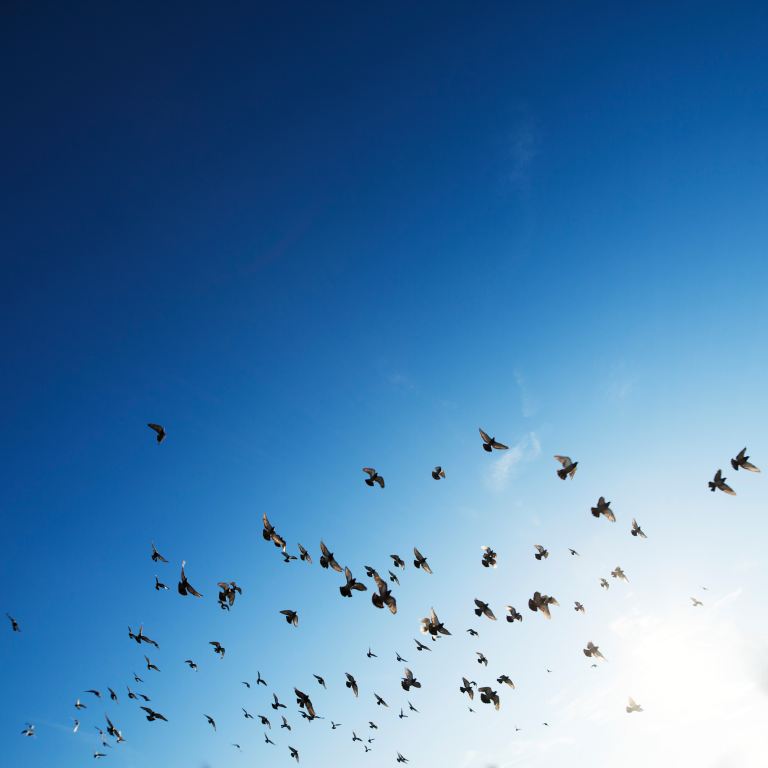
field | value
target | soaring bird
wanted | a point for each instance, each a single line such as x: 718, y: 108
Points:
x: 393, y: 578
x: 265, y: 721
x: 355, y: 738
x: 383, y: 596
x: 320, y: 680
x: 696, y: 603
x: 260, y: 680
x: 14, y: 624
x: 513, y: 615
x: 114, y: 732
x: 371, y: 655
x: 29, y: 730
x: 412, y: 708
x: 483, y: 609
x: 150, y: 665
x: 398, y: 561
x: 294, y: 753
x: 578, y: 607
x: 270, y: 534
x: 633, y: 706
x: 304, y: 555
x: 276, y: 703
x: 218, y: 648
x: 352, y: 584
x: 489, y: 557
x: 718, y: 482
x: 489, y: 443
x: 304, y: 702
x: 409, y: 681
x: 488, y: 696
x: 420, y: 646
x: 327, y: 560
x: 373, y: 477
x: 159, y: 430
x: 93, y: 691
x: 402, y: 714
x: 228, y: 590
x: 211, y: 721
x: 420, y: 561
x: 541, y: 553
x: 541, y: 603
x: 505, y: 680
x: 351, y: 683
x: 592, y: 651
x: 742, y: 462
x: 604, y: 583
x: 431, y: 625
x: 573, y: 552
x: 334, y: 726
x: 156, y: 556
x: 79, y: 705
x: 568, y: 467
x: 399, y: 658
x: 603, y: 508
x: 246, y: 714
x: 481, y: 659
x: 285, y: 723
x: 141, y: 637
x: 401, y: 759
x: 159, y: 585
x: 474, y: 632
x: 379, y: 701
x: 466, y: 687
x: 184, y: 587
x: 438, y: 473
x: 637, y: 530
x: 191, y: 664
x: 267, y: 740
x: 618, y: 573
x: 152, y: 715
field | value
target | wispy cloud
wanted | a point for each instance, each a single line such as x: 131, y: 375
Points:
x: 525, y: 450
x: 528, y: 403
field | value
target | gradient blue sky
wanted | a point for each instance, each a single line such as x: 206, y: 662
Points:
x: 312, y: 239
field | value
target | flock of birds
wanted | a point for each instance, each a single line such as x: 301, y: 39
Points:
x: 381, y: 597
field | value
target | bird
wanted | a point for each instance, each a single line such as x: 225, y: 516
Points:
x: 159, y: 430
x: 573, y: 552
x: 285, y: 723
x: 578, y: 607
x: 352, y: 584
x: 568, y: 467
x: 191, y: 664
x: 264, y: 720
x: 327, y: 560
x: 141, y: 637
x: 320, y: 680
x: 245, y: 683
x: 276, y: 703
x: 474, y: 632
x: 351, y: 683
x: 409, y: 681
x: 466, y: 687
x: 412, y: 708
x: 541, y: 603
x: 489, y: 557
x: 604, y: 584
x: 393, y: 578
x: 742, y: 462
x: 79, y: 705
x: 304, y: 702
x: 603, y: 508
x: 260, y: 680
x: 433, y: 626
x: 420, y: 646
x: 637, y: 530
x: 488, y: 696
x: 371, y: 655
x: 398, y: 561
x: 112, y: 694
x: 718, y: 482
x: 304, y: 555
x: 399, y: 658
x: 379, y: 701
x: 246, y: 714
x: 211, y: 721
x: 373, y: 477
x: 355, y: 738
x: 97, y: 755
x: 93, y: 691
x: 270, y: 534
x: 481, y: 659
x: 383, y: 596
x: 150, y: 665
x: 696, y: 603
x: 633, y: 706
x: 592, y: 651
x: 489, y: 443
x: 156, y: 556
x: 420, y: 561
x: 366, y: 748
x: 334, y: 726
x: 541, y: 553
x: 14, y: 624
x: 137, y: 678
x: 152, y: 715
x: 618, y: 573
x: 512, y: 614
x: 402, y: 714
x: 75, y: 726
x: 438, y: 473
x: 236, y: 746
x: 505, y: 680
x: 373, y: 725
x: 294, y: 753
x: 267, y: 740
x: 159, y: 585
x: 218, y: 648
x: 483, y: 609
x: 292, y: 617
x: 184, y: 587
x: 227, y: 593
x: 29, y: 730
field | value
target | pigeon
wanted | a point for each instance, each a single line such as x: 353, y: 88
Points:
x: 617, y: 573
x: 327, y: 560
x: 191, y: 664
x: 270, y: 534
x: 719, y: 482
x: 141, y: 637
x: 481, y: 659
x: 401, y: 759
x: 379, y: 701
x: 473, y: 633
x: 334, y: 726
x: 218, y: 648
x: 488, y: 696
x: 568, y: 467
x: 29, y: 730
x: 75, y: 726
x: 93, y: 691
x: 420, y: 646
x: 604, y: 584
x: 112, y: 694
x: 373, y: 477
x: 409, y: 681
x: 292, y: 617
x: 211, y: 721
x: 351, y: 683
x: 304, y: 702
x: 159, y: 430
x: 114, y: 732
x: 489, y: 557
x: 352, y: 584
x: 513, y: 615
x: 742, y: 462
x: 79, y: 705
x: 236, y: 746
x: 260, y: 680
x: 541, y: 603
x: 489, y: 443
x: 276, y: 703
x: 137, y: 678
x: 420, y: 561
x: 152, y: 715
x: 466, y: 687
x: 541, y: 553
x: 320, y: 680
x: 483, y: 609
x: 383, y: 596
x: 156, y: 556
x: 633, y: 706
x: 267, y: 740
x: 402, y: 714
x: 366, y: 748
x: 159, y: 585
x: 592, y: 651
x: 505, y: 680
x: 578, y: 607
x: 228, y: 590
x: 373, y: 725
x: 412, y: 708
x: 304, y: 555
x: 398, y: 561
x: 399, y: 658
x: 371, y: 655
x: 246, y: 714
x: 246, y: 684
x: 150, y: 665
x: 438, y: 473
x: 265, y: 721
x: 696, y: 603
x: 97, y: 755
x: 637, y: 530
x: 393, y: 578
x: 294, y: 753
x: 573, y: 552
x: 185, y: 588
x: 603, y: 508
x: 355, y: 738
x: 433, y: 626
x: 285, y: 723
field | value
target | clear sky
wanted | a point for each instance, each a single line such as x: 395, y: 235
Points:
x: 330, y: 236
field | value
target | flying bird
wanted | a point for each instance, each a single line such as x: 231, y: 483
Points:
x: 292, y: 617
x: 592, y: 651
x: 578, y: 607
x: 156, y: 556
x: 398, y: 561
x: 433, y: 626
x: 489, y: 443
x: 604, y: 584
x: 260, y: 680
x: 141, y: 637
x: 379, y: 701
x: 320, y: 680
x: 351, y: 683
x: 191, y: 664
x: 505, y: 680
x: 294, y: 753
x: 75, y: 726
x: 696, y: 603
x: 541, y: 603
x: 512, y: 614
x: 373, y: 477
x: 327, y: 560
x: 568, y: 467
x: 401, y: 759
x: 352, y: 584
x: 409, y: 681
x: 420, y: 646
x: 150, y: 665
x: 211, y: 721
x: 93, y: 691
x: 159, y: 585
x: 304, y: 702
x: 633, y: 706
x: 246, y: 714
x: 218, y: 648
x: 152, y: 715
x: 466, y: 687
x: 228, y: 590
x: 718, y: 482
x: 742, y: 462
x: 158, y: 430
x: 267, y: 740
x: 603, y: 508
x: 264, y: 720
x: 399, y: 658
x: 481, y: 659
x: 112, y: 694
x: 637, y: 530
x: 483, y: 609
x: 438, y: 473
x: 304, y: 555
x: 488, y: 696
x: 420, y: 561
x: 79, y: 705
x: 573, y: 552
x: 393, y: 578
x: 371, y: 655
x: 489, y: 557
x: 270, y: 534
x: 285, y: 723
x: 276, y: 703
x: 618, y: 573
x: 29, y: 730
x: 541, y: 553
x: 383, y: 596
x: 185, y: 588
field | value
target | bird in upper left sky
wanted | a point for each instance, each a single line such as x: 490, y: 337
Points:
x: 159, y: 430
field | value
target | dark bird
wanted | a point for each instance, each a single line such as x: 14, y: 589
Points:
x: 29, y: 730
x: 276, y: 703
x: 541, y: 553
x: 285, y: 723
x: 150, y: 665
x: 287, y: 558
x: 373, y: 725
x: 593, y: 652
x: 401, y: 759
x: 466, y: 687
x: 409, y: 681
x: 488, y: 696
x: 260, y: 680
x: 97, y: 755
x: 481, y: 659
x: 742, y: 462
x: 513, y: 615
x: 137, y: 678
x: 304, y: 702
x: 398, y: 561
x: 228, y: 590
x: 270, y: 534
x: 578, y: 607
x: 159, y: 585
x: 402, y: 714
x: 383, y: 596
x: 393, y: 578
x: 141, y: 637
x: 14, y: 624
x: 398, y: 657
x: 371, y: 655
x: 327, y: 560
x: 420, y: 646
x: 604, y: 583
x: 637, y: 530
x: 474, y: 632
x: 489, y: 557
x: 246, y: 714
x: 603, y: 508
x: 352, y: 584
x: 156, y: 556
x: 351, y: 683
x: 191, y: 664
x: 211, y: 721
x: 438, y: 473
x: 158, y: 430
x: 373, y: 477
x: 420, y: 561
x: 112, y: 694
x: 185, y: 588
x: 152, y: 715
x: 617, y: 573
x: 366, y: 748
x: 489, y: 443
x: 633, y: 706
x: 541, y: 603
x: 93, y: 691
x: 294, y: 753
x: 568, y: 467
x: 573, y: 552
x: 369, y: 571
x: 379, y: 701
x: 505, y: 680
x: 267, y: 740
x: 718, y: 482
x: 304, y: 555
x: 292, y: 617
x: 334, y: 726
x: 320, y: 680
x: 355, y: 738
x: 483, y: 609
x: 433, y: 626
x: 114, y: 732
x: 412, y: 708
x: 218, y: 648
x: 245, y: 683
x: 265, y: 721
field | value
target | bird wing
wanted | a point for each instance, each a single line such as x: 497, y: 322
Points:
x: 486, y: 437
x: 564, y: 460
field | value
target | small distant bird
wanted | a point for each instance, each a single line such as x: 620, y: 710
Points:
x: 228, y: 590
x: 573, y: 552
x: 718, y: 482
x: 373, y: 477
x: 592, y: 651
x: 14, y: 624
x: 211, y: 721
x: 191, y: 664
x: 294, y: 753
x: 97, y: 755
x: 431, y: 625
x: 579, y: 607
x: 156, y: 556
x: 541, y: 603
x: 218, y: 648
x: 505, y: 680
x: 159, y: 430
x: 327, y: 560
x: 420, y: 646
x: 420, y: 561
x: 276, y: 703
x: 489, y: 443
x: 393, y: 578
x: 401, y: 759
x: 334, y: 726
x: 292, y: 617
x: 76, y: 726
x: 604, y: 584
x: 541, y: 553
x: 185, y: 588
x: 137, y: 678
x: 371, y: 655
x: 320, y: 680
x: 285, y: 723
x: 159, y: 584
x: 512, y: 614
x: 742, y: 462
x: 304, y: 555
x: 236, y: 746
x: 152, y: 715
x: 466, y: 687
x: 409, y: 681
x: 79, y: 705
x: 270, y: 534
x: 379, y: 701
x: 696, y: 603
x: 481, y: 659
x: 352, y: 584
x: 141, y: 637
x: 260, y: 680
x: 351, y: 683
x: 402, y: 714
x: 267, y: 740
x: 633, y: 706
x: 265, y: 721
x: 617, y: 573
x: 373, y: 725
x: 438, y: 473
x: 366, y: 748
x: 473, y: 633
x: 29, y: 730
x: 355, y: 738
x: 489, y: 557
x: 603, y: 508
x: 150, y: 665
x: 383, y: 596
x: 398, y: 561
x: 483, y: 609
x: 93, y: 691
x: 412, y: 708
x: 398, y: 657
x: 488, y: 696
x: 568, y: 467
x: 637, y: 530
x: 305, y: 702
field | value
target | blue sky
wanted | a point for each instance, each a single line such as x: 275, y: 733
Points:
x: 309, y: 240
